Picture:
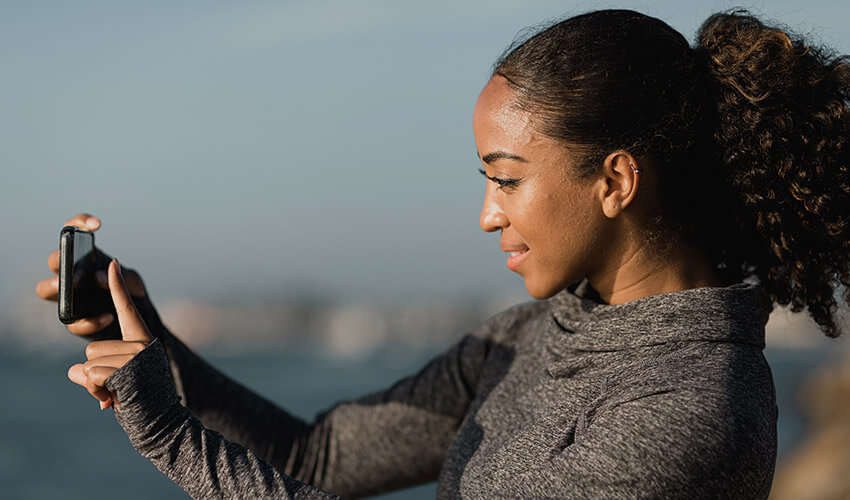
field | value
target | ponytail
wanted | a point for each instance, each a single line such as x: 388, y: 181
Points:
x: 781, y: 132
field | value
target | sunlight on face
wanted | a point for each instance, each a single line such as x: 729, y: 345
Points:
x: 550, y: 223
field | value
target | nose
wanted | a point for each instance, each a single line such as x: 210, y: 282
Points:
x: 492, y: 217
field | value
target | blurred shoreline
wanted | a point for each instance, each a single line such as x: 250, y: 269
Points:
x: 347, y: 330
x: 353, y: 329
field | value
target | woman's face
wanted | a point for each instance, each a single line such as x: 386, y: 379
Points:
x: 551, y: 223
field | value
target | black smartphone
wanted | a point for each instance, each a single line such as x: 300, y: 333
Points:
x: 79, y: 294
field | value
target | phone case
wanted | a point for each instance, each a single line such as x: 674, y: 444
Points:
x: 84, y: 298
x: 66, y: 270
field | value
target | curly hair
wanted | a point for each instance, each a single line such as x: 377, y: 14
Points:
x: 747, y: 134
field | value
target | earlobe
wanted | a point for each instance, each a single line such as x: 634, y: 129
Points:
x: 621, y: 175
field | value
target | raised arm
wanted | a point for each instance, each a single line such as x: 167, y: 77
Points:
x: 384, y: 441
x: 387, y: 440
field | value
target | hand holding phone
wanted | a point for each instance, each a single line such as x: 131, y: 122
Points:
x: 115, y: 337
x: 100, y: 326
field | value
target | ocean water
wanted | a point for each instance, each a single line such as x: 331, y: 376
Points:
x: 56, y: 443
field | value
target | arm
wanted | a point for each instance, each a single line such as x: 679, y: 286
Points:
x: 218, y: 401
x: 387, y: 440
x: 384, y: 441
x: 199, y: 460
x: 197, y: 382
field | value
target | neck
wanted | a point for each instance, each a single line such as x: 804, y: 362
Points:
x: 640, y: 272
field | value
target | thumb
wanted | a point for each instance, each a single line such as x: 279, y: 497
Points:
x: 132, y: 326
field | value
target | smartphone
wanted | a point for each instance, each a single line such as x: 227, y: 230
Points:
x: 79, y: 294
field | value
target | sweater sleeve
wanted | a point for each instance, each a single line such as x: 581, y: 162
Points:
x: 199, y: 460
x: 387, y: 440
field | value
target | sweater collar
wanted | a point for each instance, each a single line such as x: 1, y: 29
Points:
x: 732, y: 314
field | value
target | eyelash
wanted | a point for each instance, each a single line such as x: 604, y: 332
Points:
x: 503, y: 183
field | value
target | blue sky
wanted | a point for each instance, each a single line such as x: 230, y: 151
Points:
x: 240, y: 148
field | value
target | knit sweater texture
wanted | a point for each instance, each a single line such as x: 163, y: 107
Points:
x: 668, y: 396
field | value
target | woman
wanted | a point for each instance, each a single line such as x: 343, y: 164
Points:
x: 658, y: 198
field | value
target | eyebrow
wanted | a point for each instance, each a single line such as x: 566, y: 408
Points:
x: 500, y: 155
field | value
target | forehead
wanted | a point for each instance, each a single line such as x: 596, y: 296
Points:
x: 499, y: 125
x: 495, y: 109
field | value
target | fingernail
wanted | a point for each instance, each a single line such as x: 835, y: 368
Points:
x: 91, y: 222
x: 102, y: 405
x: 105, y: 319
x: 118, y: 267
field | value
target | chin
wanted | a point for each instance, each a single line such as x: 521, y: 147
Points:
x: 542, y: 291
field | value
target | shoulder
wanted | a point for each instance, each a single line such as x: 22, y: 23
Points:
x: 719, y: 380
x: 700, y: 419
x: 705, y: 406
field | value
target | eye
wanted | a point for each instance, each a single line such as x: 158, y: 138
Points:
x: 502, y: 182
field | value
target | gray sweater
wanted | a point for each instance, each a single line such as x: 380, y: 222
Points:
x: 668, y: 396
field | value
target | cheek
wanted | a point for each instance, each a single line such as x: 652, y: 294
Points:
x: 565, y: 227
x: 552, y: 208
x: 531, y: 218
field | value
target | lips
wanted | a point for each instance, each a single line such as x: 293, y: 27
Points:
x: 517, y: 255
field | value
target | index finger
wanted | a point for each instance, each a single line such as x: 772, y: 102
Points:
x: 86, y: 222
x: 132, y: 325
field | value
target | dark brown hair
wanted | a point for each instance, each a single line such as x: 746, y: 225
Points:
x: 746, y: 133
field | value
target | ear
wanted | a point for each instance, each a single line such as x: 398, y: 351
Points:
x: 619, y: 181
